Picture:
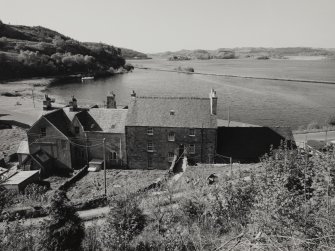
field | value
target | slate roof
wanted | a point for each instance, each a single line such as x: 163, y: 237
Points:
x: 103, y: 119
x: 59, y: 119
x: 224, y: 123
x: 189, y: 112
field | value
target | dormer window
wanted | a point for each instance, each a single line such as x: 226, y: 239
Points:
x: 172, y: 112
x: 150, y: 131
x: 171, y: 136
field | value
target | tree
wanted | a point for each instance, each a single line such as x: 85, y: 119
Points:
x: 331, y: 120
x: 64, y: 230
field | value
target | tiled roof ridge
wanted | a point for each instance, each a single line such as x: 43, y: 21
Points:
x: 170, y: 97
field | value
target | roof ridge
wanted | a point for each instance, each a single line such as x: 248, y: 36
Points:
x: 170, y: 97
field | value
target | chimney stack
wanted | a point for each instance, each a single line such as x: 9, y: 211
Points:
x: 111, y: 102
x: 213, y: 102
x: 133, y: 94
x: 73, y: 104
x: 47, y: 103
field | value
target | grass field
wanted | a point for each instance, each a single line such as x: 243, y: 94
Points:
x: 92, y: 184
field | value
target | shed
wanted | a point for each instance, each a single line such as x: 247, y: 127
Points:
x: 19, y: 181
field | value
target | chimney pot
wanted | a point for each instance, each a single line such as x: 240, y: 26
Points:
x: 213, y: 102
x: 111, y: 102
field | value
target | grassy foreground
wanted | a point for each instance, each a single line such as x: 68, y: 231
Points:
x: 284, y: 203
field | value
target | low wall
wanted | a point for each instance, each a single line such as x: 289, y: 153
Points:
x: 68, y: 183
x: 14, y: 123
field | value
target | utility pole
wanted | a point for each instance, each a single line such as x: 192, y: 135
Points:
x: 104, y: 153
x: 120, y: 151
x: 86, y: 149
x: 32, y: 93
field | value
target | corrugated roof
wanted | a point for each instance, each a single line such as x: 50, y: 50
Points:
x: 23, y: 147
x: 108, y: 120
x: 187, y: 112
x: 19, y: 177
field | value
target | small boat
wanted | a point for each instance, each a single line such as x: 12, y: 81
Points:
x: 87, y: 78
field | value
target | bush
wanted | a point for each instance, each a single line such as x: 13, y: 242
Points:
x: 64, y: 230
x: 125, y: 221
x: 331, y: 120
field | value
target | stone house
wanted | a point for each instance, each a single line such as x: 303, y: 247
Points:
x: 68, y: 138
x: 158, y: 128
x: 98, y: 124
x: 49, y: 136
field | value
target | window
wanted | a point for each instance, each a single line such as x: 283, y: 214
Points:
x: 191, y: 149
x: 150, y: 162
x: 76, y: 129
x: 43, y: 131
x: 150, y: 131
x: 170, y: 156
x: 172, y: 112
x: 192, y: 132
x: 112, y: 155
x: 171, y: 136
x: 150, y: 146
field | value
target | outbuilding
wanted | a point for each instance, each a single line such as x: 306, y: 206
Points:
x: 19, y: 181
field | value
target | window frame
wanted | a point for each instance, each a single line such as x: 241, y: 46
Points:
x: 43, y: 131
x: 150, y: 146
x: 112, y: 155
x: 171, y: 136
x: 170, y: 158
x: 150, y: 131
x: 190, y: 132
x: 191, y: 148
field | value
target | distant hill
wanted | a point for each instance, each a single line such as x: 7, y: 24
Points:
x: 131, y: 54
x: 37, y: 51
x: 247, y: 52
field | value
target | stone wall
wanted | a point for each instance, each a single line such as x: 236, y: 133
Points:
x: 137, y: 140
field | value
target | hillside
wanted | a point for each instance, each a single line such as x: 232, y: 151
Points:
x: 37, y: 51
x: 246, y: 52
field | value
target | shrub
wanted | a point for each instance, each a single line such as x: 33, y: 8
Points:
x: 36, y: 193
x: 64, y: 230
x: 5, y: 198
x: 125, y: 221
x: 331, y: 120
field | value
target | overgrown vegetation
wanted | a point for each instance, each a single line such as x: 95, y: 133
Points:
x: 284, y: 204
x: 37, y: 51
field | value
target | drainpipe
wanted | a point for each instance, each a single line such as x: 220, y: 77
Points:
x: 202, y: 142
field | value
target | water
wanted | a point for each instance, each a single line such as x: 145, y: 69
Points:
x: 262, y: 102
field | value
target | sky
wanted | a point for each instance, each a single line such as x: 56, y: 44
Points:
x: 155, y: 25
